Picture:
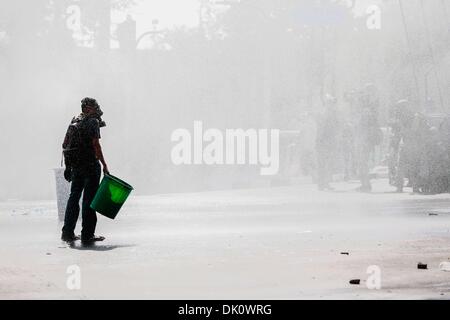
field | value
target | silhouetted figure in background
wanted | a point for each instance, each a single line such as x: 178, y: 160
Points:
x: 326, y: 143
x: 307, y: 140
x: 402, y: 142
x: 420, y: 137
x: 348, y: 151
x: 368, y: 134
x: 394, y: 142
x: 126, y: 34
x: 434, y: 170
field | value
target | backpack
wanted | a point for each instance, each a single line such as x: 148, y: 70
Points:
x: 74, y: 144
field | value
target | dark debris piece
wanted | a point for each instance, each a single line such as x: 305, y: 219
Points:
x: 355, y: 281
x: 422, y: 266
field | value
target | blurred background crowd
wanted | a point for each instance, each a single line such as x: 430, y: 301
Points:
x: 352, y: 101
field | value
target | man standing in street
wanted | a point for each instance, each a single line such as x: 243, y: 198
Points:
x: 83, y: 155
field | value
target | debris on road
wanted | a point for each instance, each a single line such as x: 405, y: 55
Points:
x: 422, y: 266
x: 345, y: 253
x: 355, y: 282
x: 433, y: 214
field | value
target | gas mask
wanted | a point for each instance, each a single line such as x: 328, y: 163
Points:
x: 98, y: 116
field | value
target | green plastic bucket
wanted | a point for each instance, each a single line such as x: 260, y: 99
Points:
x: 111, y: 195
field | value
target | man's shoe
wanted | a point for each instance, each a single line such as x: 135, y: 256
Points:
x: 70, y: 238
x: 92, y: 240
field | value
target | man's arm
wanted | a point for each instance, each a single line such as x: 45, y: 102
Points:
x: 99, y: 154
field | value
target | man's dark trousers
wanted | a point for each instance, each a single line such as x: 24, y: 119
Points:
x: 84, y: 180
